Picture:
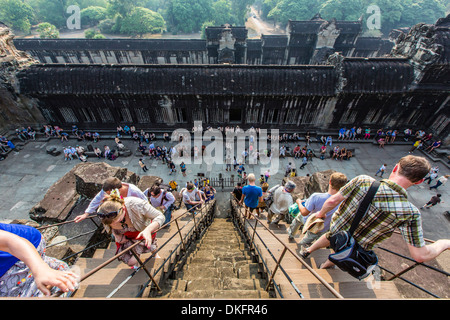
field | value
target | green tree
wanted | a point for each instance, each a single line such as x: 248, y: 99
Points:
x: 91, y: 16
x: 222, y: 13
x: 47, y: 31
x: 240, y: 9
x: 286, y: 10
x: 89, y: 33
x: 206, y: 25
x: 99, y: 36
x: 348, y: 10
x: 51, y: 11
x: 141, y: 21
x: 17, y: 14
x: 188, y: 15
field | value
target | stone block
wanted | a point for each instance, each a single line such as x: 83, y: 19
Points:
x: 58, y: 201
x: 90, y: 176
x: 148, y: 182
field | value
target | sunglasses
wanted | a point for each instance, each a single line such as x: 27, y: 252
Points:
x: 109, y: 215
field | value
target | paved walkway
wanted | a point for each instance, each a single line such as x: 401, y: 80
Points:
x: 27, y: 175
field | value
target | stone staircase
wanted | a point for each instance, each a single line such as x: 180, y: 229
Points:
x: 106, y: 280
x: 220, y: 267
x: 268, y: 248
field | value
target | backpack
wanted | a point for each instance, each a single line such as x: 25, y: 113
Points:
x: 269, y: 198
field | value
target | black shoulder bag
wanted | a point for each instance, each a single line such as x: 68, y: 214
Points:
x: 349, y: 256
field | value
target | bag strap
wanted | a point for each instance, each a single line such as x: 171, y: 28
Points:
x: 362, y: 209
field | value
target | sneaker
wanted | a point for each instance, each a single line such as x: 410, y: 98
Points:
x: 304, y: 253
x: 290, y: 236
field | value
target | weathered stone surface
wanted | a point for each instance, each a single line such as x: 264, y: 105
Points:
x: 89, y: 177
x: 58, y: 201
x: 319, y: 181
x: 148, y: 182
x: 300, y: 191
x: 131, y: 177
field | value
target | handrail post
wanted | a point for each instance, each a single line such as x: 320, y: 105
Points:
x: 276, y: 268
x: 181, y: 236
x: 145, y: 269
x: 404, y: 271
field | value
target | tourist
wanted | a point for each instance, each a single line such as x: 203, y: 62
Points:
x: 251, y: 195
x: 25, y: 270
x: 431, y: 176
x: 323, y: 150
x: 343, y: 154
x: 98, y: 152
x: 267, y: 175
x: 110, y: 185
x: 367, y: 133
x: 389, y: 210
x: 130, y: 220
x: 304, y: 162
x: 433, y: 146
x: 262, y: 204
x: 143, y: 166
x: 312, y: 205
x: 162, y: 200
x: 237, y: 191
x: 335, y: 151
x: 433, y: 201
x: 381, y: 170
x: 440, y: 181
x: 191, y: 197
x: 407, y: 133
x: 282, y: 199
x: 416, y: 145
x: 183, y: 169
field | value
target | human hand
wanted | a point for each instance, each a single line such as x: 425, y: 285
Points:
x: 81, y: 217
x: 46, y: 278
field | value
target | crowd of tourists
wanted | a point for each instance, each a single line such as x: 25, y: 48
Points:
x: 131, y: 215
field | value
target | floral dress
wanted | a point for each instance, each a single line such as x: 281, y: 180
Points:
x: 125, y: 238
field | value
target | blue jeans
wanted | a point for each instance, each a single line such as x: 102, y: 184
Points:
x: 168, y: 214
x: 189, y: 206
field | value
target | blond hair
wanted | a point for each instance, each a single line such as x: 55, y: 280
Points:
x: 338, y: 180
x: 111, y: 203
x: 251, y: 177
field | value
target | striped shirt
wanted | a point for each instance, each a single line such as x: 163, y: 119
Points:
x: 390, y: 209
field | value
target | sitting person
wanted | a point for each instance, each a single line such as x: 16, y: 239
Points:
x: 323, y: 150
x: 98, y: 152
x: 433, y: 146
x: 336, y: 153
x: 343, y: 154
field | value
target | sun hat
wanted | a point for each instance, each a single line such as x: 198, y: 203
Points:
x: 313, y: 225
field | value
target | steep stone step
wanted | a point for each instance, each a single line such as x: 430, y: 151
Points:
x: 219, y: 294
x: 219, y: 267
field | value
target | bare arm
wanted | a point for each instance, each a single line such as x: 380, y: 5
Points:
x: 429, y: 252
x: 44, y: 276
x: 330, y: 204
x: 303, y: 211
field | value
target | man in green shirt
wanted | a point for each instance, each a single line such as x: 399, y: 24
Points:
x: 390, y: 209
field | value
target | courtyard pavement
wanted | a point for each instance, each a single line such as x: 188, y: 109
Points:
x: 27, y: 175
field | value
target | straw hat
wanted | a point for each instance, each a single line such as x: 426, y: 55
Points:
x: 313, y: 225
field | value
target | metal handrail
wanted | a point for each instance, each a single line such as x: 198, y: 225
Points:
x: 286, y: 248
x: 104, y: 264
x: 395, y: 275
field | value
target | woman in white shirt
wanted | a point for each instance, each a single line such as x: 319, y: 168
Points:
x: 130, y: 220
